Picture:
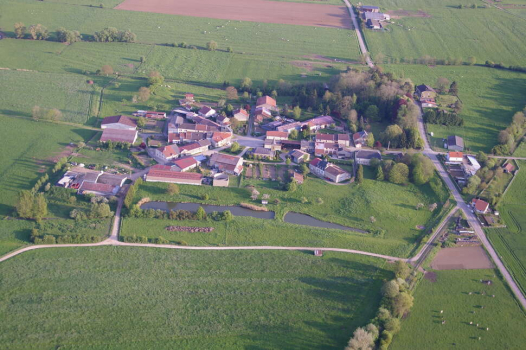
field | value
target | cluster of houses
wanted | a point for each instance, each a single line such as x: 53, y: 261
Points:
x: 87, y: 181
x: 119, y: 128
x: 460, y: 166
x: 426, y: 95
x: 373, y: 17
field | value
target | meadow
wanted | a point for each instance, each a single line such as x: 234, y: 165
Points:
x: 484, y: 33
x: 423, y: 329
x: 392, y: 206
x: 520, y: 151
x: 164, y: 299
x: 14, y: 234
x: 21, y: 91
x: 490, y: 98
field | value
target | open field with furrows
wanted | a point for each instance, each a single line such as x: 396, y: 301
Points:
x: 490, y: 98
x: 510, y: 242
x: 155, y: 298
x: 446, y: 31
x: 392, y: 206
x: 21, y: 91
x: 423, y: 329
x: 250, y: 37
x: 34, y: 147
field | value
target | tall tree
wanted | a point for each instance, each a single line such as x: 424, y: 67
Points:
x: 399, y: 173
x: 20, y: 30
x: 211, y: 45
x: 24, y: 206
x: 379, y: 173
x: 359, y: 174
x: 39, y: 206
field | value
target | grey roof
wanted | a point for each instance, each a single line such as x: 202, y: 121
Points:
x: 424, y: 87
x: 368, y: 154
x: 370, y: 7
x: 455, y: 141
x: 374, y: 15
x: 110, y: 179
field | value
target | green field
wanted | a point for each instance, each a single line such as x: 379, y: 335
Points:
x: 138, y: 298
x: 392, y: 206
x: 487, y: 34
x: 520, y: 151
x: 423, y: 329
x: 14, y: 234
x: 21, y: 91
x: 490, y: 98
x: 510, y: 242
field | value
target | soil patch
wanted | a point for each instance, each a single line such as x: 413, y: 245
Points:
x: 404, y: 13
x: 317, y: 15
x: 461, y: 258
x: 431, y: 276
x: 68, y: 150
x: 420, y: 227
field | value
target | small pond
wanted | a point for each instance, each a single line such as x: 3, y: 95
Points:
x: 235, y: 210
x: 307, y: 220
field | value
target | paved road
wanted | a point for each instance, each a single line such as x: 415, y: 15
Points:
x: 363, y: 48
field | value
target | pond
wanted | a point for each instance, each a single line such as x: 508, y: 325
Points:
x: 235, y: 210
x: 307, y: 220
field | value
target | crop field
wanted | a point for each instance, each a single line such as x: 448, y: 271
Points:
x: 423, y: 329
x: 164, y: 299
x: 392, y: 206
x: 446, y: 31
x: 256, y: 38
x: 490, y: 98
x: 33, y: 147
x: 21, y: 91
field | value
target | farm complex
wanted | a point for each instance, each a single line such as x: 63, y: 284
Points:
x: 262, y: 174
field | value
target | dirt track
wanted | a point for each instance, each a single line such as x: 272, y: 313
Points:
x: 265, y: 11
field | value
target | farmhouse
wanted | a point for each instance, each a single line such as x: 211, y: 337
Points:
x: 277, y: 135
x: 373, y: 24
x: 425, y: 92
x: 455, y: 157
x: 318, y: 123
x: 261, y: 114
x: 94, y: 182
x: 240, y: 115
x: 167, y: 153
x: 454, y: 143
x: 342, y: 140
x: 360, y: 138
x: 480, y: 206
x: 290, y: 144
x: 220, y: 139
x: 185, y: 164
x: 261, y: 152
x: 112, y: 179
x: 273, y: 145
x: 266, y: 102
x: 98, y: 189
x: 223, y: 120
x: 289, y: 127
x: 227, y: 163
x: 119, y: 135
x: 186, y: 137
x: 376, y: 16
x: 203, y: 121
x: 324, y: 169
x: 118, y: 122
x: 207, y: 112
x: 321, y: 149
x: 364, y: 157
x: 161, y: 173
x: 508, y: 168
x: 298, y: 156
x: 471, y: 166
x: 195, y: 147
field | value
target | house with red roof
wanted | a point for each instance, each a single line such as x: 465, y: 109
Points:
x: 226, y: 163
x: 159, y: 173
x: 360, y: 138
x: 318, y: 123
x: 240, y: 115
x: 185, y: 164
x: 342, y: 140
x: 223, y: 120
x: 207, y: 112
x: 455, y: 157
x: 168, y: 152
x: 118, y: 122
x: 220, y: 139
x: 155, y: 115
x: 480, y: 206
x: 195, y: 147
x: 266, y: 102
x: 277, y: 135
x: 329, y: 171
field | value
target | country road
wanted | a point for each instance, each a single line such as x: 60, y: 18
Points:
x: 359, y: 35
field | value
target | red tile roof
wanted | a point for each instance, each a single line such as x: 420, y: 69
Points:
x: 184, y: 163
x: 91, y: 186
x: 240, y: 110
x: 283, y: 134
x: 169, y: 174
x: 169, y: 151
x: 266, y: 100
x: 315, y: 161
x: 480, y: 205
x: 456, y: 154
x: 220, y: 136
x: 120, y: 119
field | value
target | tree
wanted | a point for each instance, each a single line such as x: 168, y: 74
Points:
x: 433, y: 206
x: 38, y: 32
x: 24, y: 206
x: 390, y: 289
x: 304, y: 169
x: 419, y: 206
x: 36, y: 112
x: 172, y: 189
x: 106, y: 70
x: 370, y: 140
x: 472, y: 60
x: 20, y: 30
x: 235, y: 147
x: 457, y: 106
x: 453, y: 88
x: 402, y: 303
x: 373, y: 219
x: 141, y: 122
x: 373, y: 330
x: 296, y: 112
x: 293, y: 134
x: 246, y: 84
x: 393, y: 325
x: 39, y: 206
x: 100, y: 210
x: 442, y: 84
x: 53, y: 114
x: 482, y: 158
x: 359, y: 174
x: 292, y: 186
x: 231, y: 93
x: 287, y: 161
x: 391, y: 135
x: 227, y: 215
x: 361, y: 340
x: 144, y: 94
x: 423, y: 169
x: 379, y: 173
x: 399, y: 173
x: 371, y: 113
x: 401, y: 269
x: 68, y: 36
x: 472, y: 185
x: 155, y: 78
x: 505, y: 137
x: 200, y: 214
x: 211, y: 45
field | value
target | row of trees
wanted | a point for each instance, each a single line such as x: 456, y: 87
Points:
x: 96, y: 211
x: 111, y: 34
x: 179, y: 215
x: 396, y: 137
x: 52, y: 114
x: 38, y: 238
x: 509, y: 137
x: 502, y: 66
x: 396, y: 302
x: 31, y: 205
x: 443, y: 118
x: 416, y: 168
x: 35, y: 31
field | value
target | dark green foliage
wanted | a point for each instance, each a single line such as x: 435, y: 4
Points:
x: 359, y: 174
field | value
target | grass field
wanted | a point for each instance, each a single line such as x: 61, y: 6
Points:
x: 393, y: 207
x: 21, y: 91
x: 164, y: 299
x: 423, y: 329
x: 487, y: 34
x: 33, y: 146
x: 520, y: 151
x: 490, y: 98
x: 14, y: 234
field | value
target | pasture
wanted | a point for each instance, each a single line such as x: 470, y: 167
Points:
x: 392, y: 206
x: 21, y: 91
x: 449, y: 32
x: 423, y: 329
x: 14, y: 234
x: 156, y: 298
x: 490, y: 98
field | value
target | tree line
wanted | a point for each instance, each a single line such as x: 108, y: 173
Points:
x: 510, y: 137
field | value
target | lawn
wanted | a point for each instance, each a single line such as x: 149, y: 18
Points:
x: 34, y: 146
x: 102, y: 157
x: 486, y: 34
x: 392, y: 206
x: 21, y: 91
x: 423, y: 329
x: 490, y: 98
x: 14, y: 234
x: 165, y: 299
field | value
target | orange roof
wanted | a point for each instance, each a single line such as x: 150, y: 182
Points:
x: 174, y: 174
x: 266, y: 100
x: 480, y: 205
x: 456, y: 154
x: 278, y: 134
